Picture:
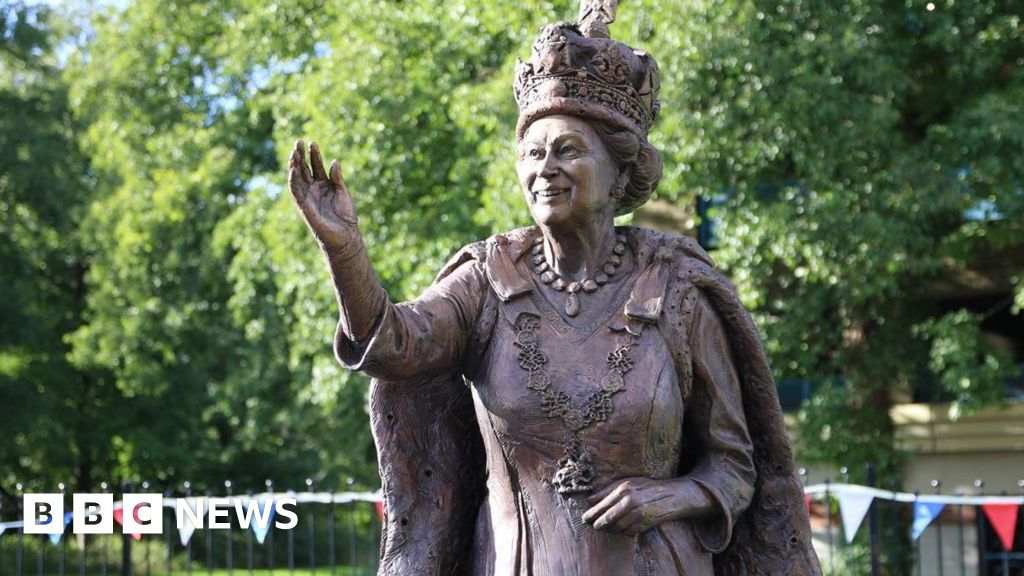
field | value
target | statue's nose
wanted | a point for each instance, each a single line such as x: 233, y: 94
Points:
x: 549, y: 169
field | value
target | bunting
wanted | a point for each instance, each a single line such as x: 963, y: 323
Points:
x: 912, y: 498
x: 1003, y: 518
x: 924, y: 513
x: 119, y: 518
x: 5, y: 525
x: 55, y: 538
x: 854, y: 503
x: 261, y: 531
x: 185, y: 526
x: 853, y: 506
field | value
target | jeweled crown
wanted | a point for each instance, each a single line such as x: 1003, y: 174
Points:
x: 577, y: 69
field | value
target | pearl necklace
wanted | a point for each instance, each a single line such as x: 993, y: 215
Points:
x: 588, y: 285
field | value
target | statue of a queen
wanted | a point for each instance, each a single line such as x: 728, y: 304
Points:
x: 572, y: 398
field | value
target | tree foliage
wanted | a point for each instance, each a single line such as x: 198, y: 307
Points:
x: 164, y: 295
x: 44, y: 189
x: 855, y: 141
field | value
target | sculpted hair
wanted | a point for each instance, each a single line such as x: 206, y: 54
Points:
x: 629, y: 150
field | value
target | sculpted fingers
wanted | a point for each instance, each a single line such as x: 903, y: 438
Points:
x: 343, y: 205
x: 316, y: 161
x: 601, y: 501
x: 613, y: 517
x: 296, y: 183
x: 300, y: 162
x: 336, y: 179
x: 631, y: 506
x: 298, y: 188
x: 594, y: 513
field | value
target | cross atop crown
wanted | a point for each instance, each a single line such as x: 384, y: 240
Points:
x: 595, y: 16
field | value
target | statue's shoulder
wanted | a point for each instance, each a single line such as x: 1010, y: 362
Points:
x: 691, y: 270
x: 682, y: 253
x: 495, y: 258
x: 508, y: 245
x: 476, y: 251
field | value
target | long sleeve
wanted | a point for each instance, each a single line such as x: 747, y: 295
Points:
x: 423, y: 336
x: 716, y: 426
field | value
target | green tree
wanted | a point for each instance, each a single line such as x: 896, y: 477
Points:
x: 849, y: 140
x: 53, y: 421
x: 207, y: 303
x: 200, y: 345
x: 855, y: 143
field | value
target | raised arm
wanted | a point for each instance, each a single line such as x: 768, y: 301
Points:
x: 329, y: 212
x: 385, y: 340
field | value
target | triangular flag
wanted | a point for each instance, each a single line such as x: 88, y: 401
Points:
x: 379, y: 505
x: 261, y: 533
x: 853, y: 506
x: 185, y: 526
x: 119, y: 518
x: 924, y: 513
x: 55, y: 538
x: 1003, y: 518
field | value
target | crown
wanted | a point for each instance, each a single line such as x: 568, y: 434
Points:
x: 577, y: 69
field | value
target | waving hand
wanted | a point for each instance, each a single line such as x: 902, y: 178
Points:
x: 323, y: 198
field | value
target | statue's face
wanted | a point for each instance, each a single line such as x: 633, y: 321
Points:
x: 566, y: 172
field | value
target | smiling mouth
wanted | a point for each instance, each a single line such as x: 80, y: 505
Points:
x: 550, y: 192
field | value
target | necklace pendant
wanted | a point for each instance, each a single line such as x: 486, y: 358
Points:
x: 575, y: 473
x: 572, y: 305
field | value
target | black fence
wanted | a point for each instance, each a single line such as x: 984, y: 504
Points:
x: 338, y: 534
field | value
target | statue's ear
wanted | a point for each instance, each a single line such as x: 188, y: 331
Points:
x: 625, y: 173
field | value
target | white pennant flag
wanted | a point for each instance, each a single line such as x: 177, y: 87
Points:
x: 196, y: 510
x: 853, y: 506
x: 263, y: 518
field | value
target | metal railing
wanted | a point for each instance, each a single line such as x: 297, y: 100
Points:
x: 338, y: 534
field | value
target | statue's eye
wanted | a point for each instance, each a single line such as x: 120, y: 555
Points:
x: 568, y: 150
x: 535, y: 153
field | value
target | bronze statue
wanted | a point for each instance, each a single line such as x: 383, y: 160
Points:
x: 570, y: 398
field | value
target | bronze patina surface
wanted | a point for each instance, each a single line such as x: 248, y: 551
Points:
x: 570, y: 398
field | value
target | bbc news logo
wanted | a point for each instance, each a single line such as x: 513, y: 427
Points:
x: 143, y: 513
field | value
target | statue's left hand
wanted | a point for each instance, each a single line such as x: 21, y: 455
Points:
x: 635, y: 505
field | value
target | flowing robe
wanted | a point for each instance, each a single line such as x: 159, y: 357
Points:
x: 682, y: 414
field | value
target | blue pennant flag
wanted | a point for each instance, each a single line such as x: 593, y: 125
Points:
x: 55, y: 538
x: 924, y: 513
x: 261, y: 532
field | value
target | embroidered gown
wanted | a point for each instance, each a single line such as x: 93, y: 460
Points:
x: 680, y: 413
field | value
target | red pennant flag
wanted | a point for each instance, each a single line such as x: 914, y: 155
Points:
x: 379, y: 505
x: 1003, y: 518
x: 119, y: 518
